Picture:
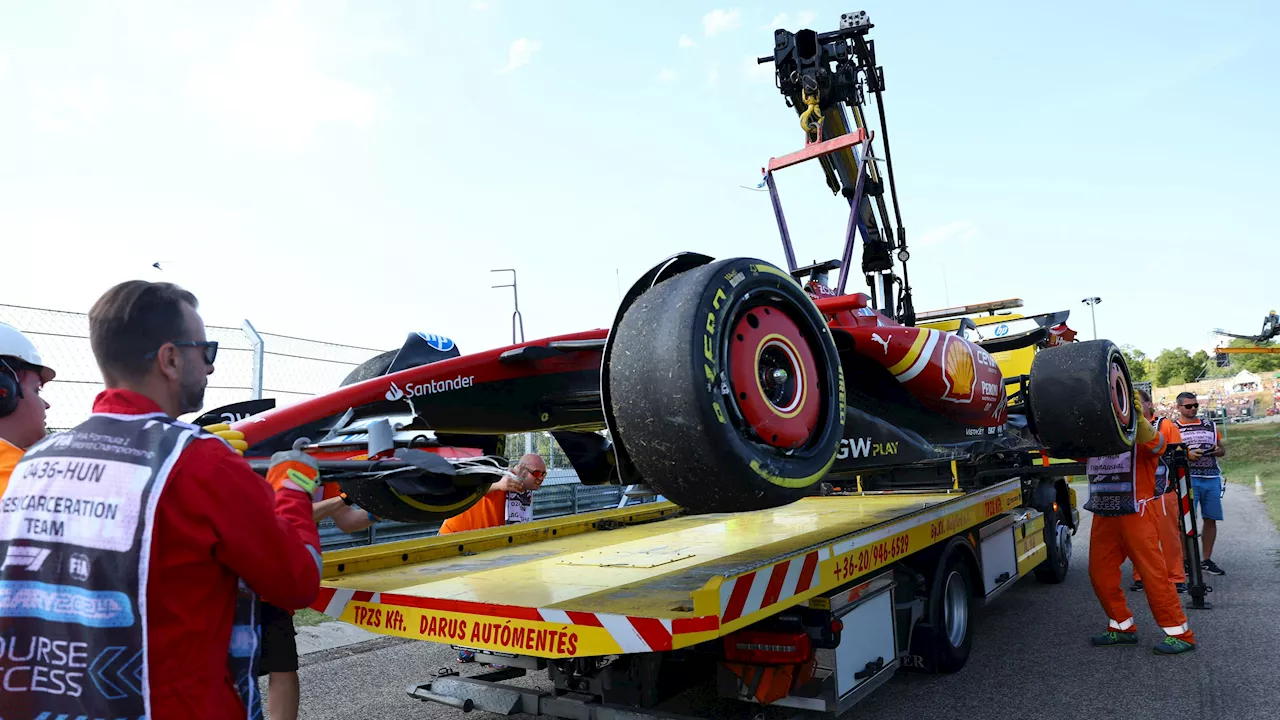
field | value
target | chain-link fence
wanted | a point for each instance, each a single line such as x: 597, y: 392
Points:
x: 268, y: 365
x: 250, y: 364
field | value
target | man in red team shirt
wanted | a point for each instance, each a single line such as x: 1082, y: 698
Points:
x: 134, y: 544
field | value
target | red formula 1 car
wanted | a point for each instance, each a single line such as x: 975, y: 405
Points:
x: 731, y: 384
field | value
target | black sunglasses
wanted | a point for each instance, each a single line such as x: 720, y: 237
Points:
x: 1192, y: 406
x: 210, y: 348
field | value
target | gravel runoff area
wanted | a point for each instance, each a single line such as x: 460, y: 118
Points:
x: 1031, y: 655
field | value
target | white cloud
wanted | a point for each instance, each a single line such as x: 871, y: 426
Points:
x: 521, y: 53
x: 481, y: 5
x: 713, y: 74
x: 804, y: 18
x: 667, y: 75
x: 949, y: 234
x: 777, y: 22
x: 269, y: 83
x: 686, y: 42
x: 757, y: 72
x: 719, y: 21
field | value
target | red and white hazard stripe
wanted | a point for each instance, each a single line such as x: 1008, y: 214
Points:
x: 332, y: 601
x: 763, y: 588
x: 632, y: 634
x: 1185, y: 494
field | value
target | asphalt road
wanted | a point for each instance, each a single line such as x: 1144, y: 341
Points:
x: 1031, y: 656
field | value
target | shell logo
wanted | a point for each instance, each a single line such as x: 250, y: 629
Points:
x: 958, y: 371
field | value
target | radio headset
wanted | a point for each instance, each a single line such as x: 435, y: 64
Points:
x: 10, y: 390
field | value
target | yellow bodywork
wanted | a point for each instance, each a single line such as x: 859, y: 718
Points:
x: 1012, y: 362
x: 678, y: 574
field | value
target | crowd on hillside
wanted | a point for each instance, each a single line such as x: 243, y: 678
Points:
x: 1219, y: 402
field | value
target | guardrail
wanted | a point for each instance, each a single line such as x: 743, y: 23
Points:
x: 548, y: 501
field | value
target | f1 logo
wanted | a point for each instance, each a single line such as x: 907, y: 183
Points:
x: 25, y: 557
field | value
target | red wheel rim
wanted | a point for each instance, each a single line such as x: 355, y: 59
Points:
x: 774, y: 377
x: 1121, y: 398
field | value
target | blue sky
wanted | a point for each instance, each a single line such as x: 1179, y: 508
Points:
x: 352, y: 171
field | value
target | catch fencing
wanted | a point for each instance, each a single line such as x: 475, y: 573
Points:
x: 251, y: 364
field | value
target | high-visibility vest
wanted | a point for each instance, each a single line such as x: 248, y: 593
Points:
x: 1113, y: 484
x: 1201, y: 435
x: 75, y: 533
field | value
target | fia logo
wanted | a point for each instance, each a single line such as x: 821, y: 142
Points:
x: 439, y: 342
x: 78, y: 566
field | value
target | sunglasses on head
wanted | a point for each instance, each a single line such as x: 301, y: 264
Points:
x: 210, y: 348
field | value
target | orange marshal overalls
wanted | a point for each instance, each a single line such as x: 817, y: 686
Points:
x: 1167, y: 511
x: 1125, y: 527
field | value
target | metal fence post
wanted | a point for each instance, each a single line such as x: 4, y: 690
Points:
x: 259, y: 356
x: 573, y: 498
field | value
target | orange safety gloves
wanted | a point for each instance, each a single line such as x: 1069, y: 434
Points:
x: 294, y: 469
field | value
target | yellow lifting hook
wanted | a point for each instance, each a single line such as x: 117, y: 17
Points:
x: 811, y: 113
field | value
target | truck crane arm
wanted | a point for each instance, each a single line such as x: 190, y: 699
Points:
x: 826, y: 78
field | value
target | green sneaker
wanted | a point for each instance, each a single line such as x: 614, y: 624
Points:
x: 1173, y: 646
x: 1115, y: 638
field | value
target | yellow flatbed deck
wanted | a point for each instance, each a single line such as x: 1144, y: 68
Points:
x: 660, y: 580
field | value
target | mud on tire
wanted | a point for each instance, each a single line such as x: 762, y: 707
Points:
x: 727, y: 389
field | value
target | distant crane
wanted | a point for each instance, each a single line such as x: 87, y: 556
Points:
x: 1270, y: 330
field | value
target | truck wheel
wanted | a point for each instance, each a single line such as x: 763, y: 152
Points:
x: 1081, y: 400
x: 727, y: 389
x: 950, y: 616
x: 380, y: 499
x: 1057, y: 537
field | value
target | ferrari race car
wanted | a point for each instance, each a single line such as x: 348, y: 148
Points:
x: 732, y: 384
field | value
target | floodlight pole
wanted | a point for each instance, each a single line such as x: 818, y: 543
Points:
x: 517, y: 320
x: 1091, y: 302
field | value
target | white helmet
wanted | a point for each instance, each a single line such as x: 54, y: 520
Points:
x: 16, y: 345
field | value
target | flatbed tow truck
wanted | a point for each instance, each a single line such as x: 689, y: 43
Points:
x: 810, y: 605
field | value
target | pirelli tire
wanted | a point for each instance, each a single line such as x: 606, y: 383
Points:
x: 379, y: 498
x: 1081, y: 400
x: 727, y: 389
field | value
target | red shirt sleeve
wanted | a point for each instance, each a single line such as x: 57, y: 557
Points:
x: 266, y: 537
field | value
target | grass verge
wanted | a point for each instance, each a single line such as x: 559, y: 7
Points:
x: 307, y: 616
x: 1253, y: 449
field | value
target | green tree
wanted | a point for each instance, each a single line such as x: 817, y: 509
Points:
x: 1197, y: 367
x: 1139, y: 364
x: 1172, y: 367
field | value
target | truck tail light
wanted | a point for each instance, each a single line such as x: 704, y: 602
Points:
x: 759, y: 647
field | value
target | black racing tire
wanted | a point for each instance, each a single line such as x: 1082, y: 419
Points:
x: 1081, y: 400
x: 678, y: 388
x: 1057, y: 538
x: 951, y: 612
x: 375, y: 366
x: 384, y: 502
